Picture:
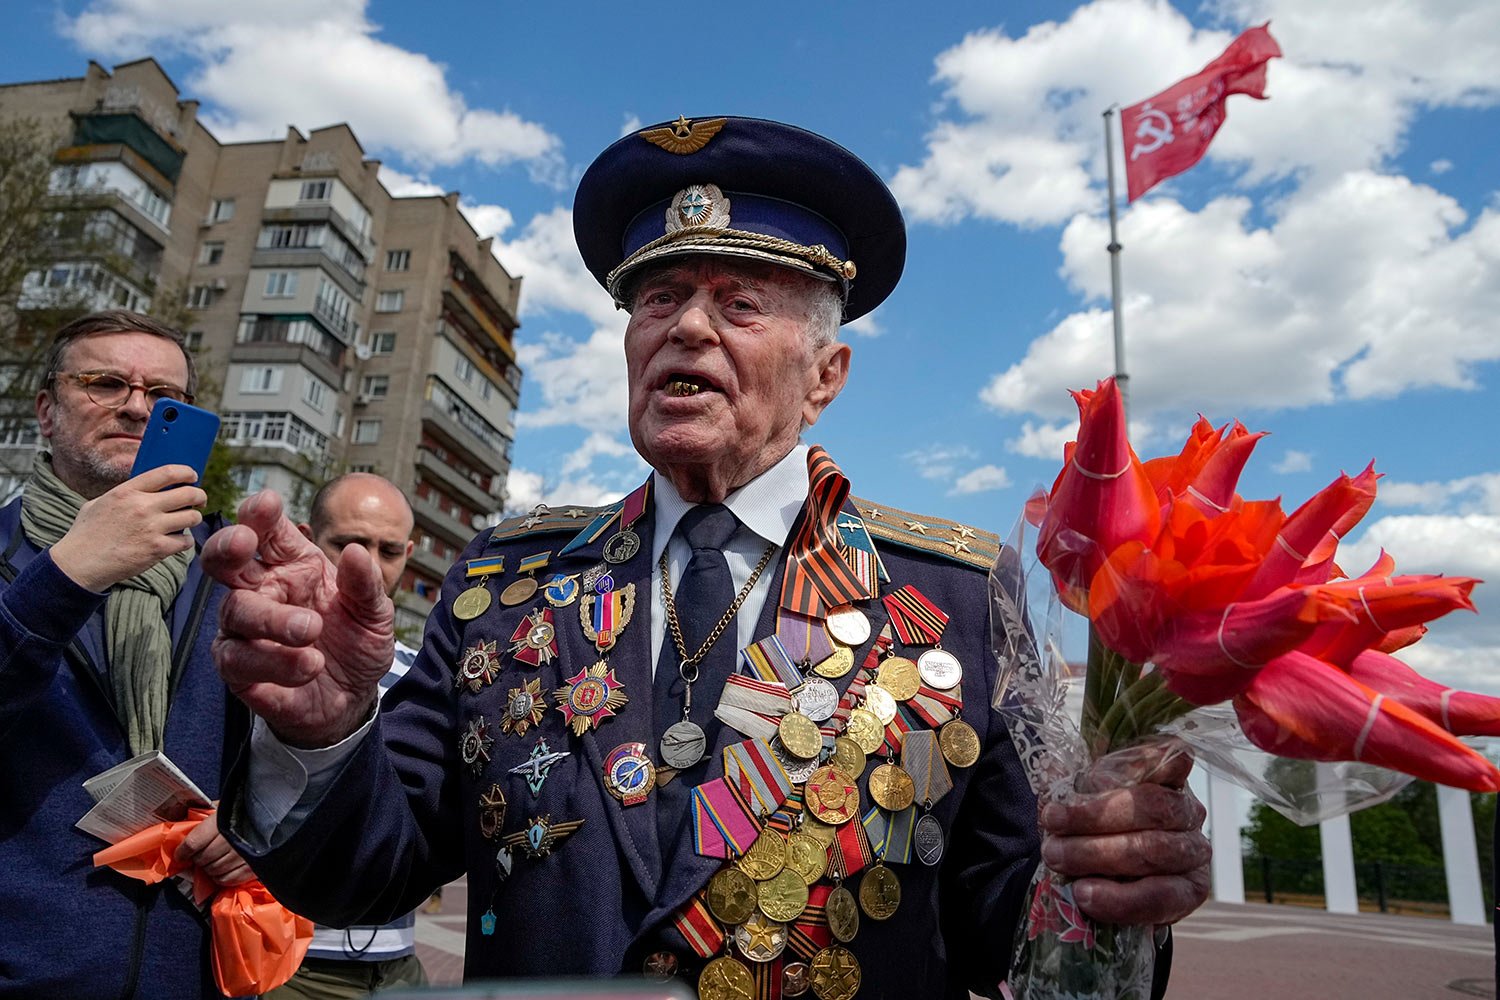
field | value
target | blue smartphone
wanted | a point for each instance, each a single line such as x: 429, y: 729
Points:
x: 177, y: 434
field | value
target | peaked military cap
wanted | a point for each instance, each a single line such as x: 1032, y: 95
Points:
x: 740, y: 187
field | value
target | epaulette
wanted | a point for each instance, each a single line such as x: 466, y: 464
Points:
x: 545, y: 520
x: 935, y: 535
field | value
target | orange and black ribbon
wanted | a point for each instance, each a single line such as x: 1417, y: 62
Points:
x: 918, y: 621
x: 818, y: 578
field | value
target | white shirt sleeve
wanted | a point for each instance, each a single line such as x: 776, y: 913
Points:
x: 285, y: 783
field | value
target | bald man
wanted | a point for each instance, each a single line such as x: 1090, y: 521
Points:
x: 371, y: 512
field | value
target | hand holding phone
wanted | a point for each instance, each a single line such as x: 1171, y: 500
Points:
x: 176, y: 434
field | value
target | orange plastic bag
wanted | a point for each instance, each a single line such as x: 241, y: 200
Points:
x: 257, y: 942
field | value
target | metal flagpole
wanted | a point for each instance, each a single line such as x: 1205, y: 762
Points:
x: 1122, y: 380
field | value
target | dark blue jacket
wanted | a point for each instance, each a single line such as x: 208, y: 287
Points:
x: 403, y: 815
x: 66, y: 928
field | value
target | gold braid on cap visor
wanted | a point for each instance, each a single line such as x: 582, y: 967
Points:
x: 733, y: 243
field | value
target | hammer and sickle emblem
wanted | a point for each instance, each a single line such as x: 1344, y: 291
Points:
x: 1155, y: 126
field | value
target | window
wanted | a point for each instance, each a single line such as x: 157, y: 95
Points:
x: 281, y: 284
x: 222, y: 210
x: 362, y: 467
x: 194, y: 340
x: 464, y: 368
x: 366, y: 431
x: 383, y: 343
x: 398, y: 260
x: 390, y: 302
x: 314, y: 191
x: 261, y: 379
x: 201, y: 297
x: 338, y: 427
x: 211, y: 253
x: 315, y: 391
x: 375, y: 386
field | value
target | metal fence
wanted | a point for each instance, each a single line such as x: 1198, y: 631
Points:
x: 1380, y: 885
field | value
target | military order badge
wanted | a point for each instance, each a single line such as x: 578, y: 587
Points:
x: 534, y: 641
x: 524, y: 708
x: 590, y: 696
x: 480, y: 666
x: 474, y: 744
x: 629, y: 774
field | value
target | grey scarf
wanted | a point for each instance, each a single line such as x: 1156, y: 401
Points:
x: 136, y: 635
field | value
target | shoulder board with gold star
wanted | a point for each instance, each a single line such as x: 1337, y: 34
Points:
x: 546, y: 520
x: 934, y: 535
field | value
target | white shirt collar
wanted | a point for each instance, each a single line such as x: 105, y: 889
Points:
x: 768, y: 505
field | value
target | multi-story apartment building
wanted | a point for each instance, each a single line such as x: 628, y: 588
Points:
x: 338, y: 327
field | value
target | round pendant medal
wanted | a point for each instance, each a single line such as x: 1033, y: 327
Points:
x: 731, y: 895
x: 518, y: 592
x: 837, y: 665
x: 928, y: 840
x: 899, y: 676
x: 835, y: 973
x: 848, y: 625
x: 471, y: 603
x: 784, y: 897
x: 940, y: 669
x: 848, y: 757
x: 795, y: 979
x: 817, y: 699
x: 798, y: 770
x: 760, y: 939
x: 800, y: 736
x: 766, y: 857
x: 629, y: 774
x: 682, y: 745
x: 807, y: 856
x: 891, y: 788
x: 880, y: 701
x: 725, y: 978
x: 832, y: 796
x: 959, y: 743
x: 843, y: 913
x: 879, y: 893
x: 867, y: 731
x: 621, y: 547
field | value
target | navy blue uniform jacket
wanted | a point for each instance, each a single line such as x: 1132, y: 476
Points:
x: 403, y: 815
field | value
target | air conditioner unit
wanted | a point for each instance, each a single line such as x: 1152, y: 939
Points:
x: 220, y: 284
x: 362, y: 352
x: 363, y: 399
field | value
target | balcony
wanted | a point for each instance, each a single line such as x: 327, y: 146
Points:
x: 474, y: 449
x: 271, y: 351
x: 128, y: 127
x: 455, y: 531
x: 322, y: 213
x: 352, y: 284
x: 454, y: 481
x: 429, y: 563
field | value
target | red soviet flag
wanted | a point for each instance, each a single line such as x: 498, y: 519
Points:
x: 1170, y: 132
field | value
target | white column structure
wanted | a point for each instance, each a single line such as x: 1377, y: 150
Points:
x: 1224, y: 812
x: 1338, y: 857
x: 1460, y: 856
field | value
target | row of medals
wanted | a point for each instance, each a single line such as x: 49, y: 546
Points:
x: 764, y: 891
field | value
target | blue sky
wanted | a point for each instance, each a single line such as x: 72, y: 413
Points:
x: 1329, y: 273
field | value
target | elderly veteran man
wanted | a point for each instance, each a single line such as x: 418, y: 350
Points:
x: 736, y: 726
x: 106, y: 622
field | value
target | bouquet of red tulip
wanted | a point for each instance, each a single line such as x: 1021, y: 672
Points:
x: 1197, y: 597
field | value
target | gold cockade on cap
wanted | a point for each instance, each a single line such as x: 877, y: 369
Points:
x: 683, y: 136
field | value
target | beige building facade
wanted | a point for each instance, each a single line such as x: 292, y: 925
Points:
x: 339, y: 328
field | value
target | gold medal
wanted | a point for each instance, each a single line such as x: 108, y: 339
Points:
x: 867, y: 732
x: 959, y: 743
x: 784, y: 897
x: 518, y: 592
x: 832, y: 795
x: 835, y: 973
x: 471, y: 603
x: 731, y: 895
x: 766, y: 857
x: 843, y: 913
x: 891, y: 788
x: 879, y: 701
x: 800, y: 736
x: 899, y: 676
x: 759, y: 938
x: 818, y: 830
x: 725, y: 978
x: 848, y: 757
x: 807, y: 856
x: 837, y: 665
x: 879, y: 892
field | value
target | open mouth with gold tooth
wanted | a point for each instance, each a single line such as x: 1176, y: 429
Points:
x: 685, y: 385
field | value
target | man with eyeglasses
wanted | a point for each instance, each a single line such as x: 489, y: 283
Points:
x: 106, y: 623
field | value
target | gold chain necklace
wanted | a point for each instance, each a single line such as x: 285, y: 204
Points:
x: 675, y: 627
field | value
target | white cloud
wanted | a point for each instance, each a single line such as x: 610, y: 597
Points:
x: 1293, y: 461
x: 1440, y: 166
x: 980, y: 480
x: 940, y: 461
x: 1044, y: 441
x: 1353, y: 280
x: 865, y: 326
x: 258, y: 77
x: 526, y: 489
x: 1468, y: 495
x: 554, y: 278
x: 631, y: 124
x: 581, y: 383
x: 487, y: 220
x: 403, y: 185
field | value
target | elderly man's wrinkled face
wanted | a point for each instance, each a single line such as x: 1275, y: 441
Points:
x: 93, y: 447
x: 722, y: 373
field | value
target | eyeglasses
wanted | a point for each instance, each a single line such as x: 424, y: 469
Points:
x: 113, y: 392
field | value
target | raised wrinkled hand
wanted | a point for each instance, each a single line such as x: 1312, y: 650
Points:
x: 1131, y: 837
x: 302, y: 643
